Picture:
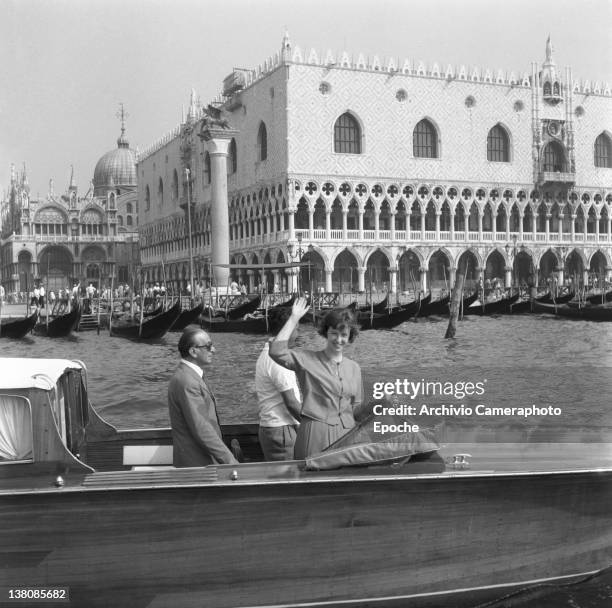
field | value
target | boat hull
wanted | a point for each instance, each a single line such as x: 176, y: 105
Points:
x: 205, y: 540
x: 151, y: 329
x: 18, y: 328
x: 60, y: 326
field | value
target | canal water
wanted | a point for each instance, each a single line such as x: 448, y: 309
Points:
x: 516, y: 361
x: 558, y: 365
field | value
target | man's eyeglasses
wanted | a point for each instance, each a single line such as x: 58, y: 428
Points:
x: 208, y: 346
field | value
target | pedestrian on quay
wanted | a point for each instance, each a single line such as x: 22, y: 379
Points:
x: 196, y: 431
x: 331, y: 383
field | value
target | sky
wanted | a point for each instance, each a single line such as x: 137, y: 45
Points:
x: 66, y: 65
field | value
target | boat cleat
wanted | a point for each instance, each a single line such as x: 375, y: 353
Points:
x: 459, y: 461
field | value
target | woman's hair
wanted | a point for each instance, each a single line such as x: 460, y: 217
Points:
x: 339, y: 319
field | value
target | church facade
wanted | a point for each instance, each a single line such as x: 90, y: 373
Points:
x: 66, y: 238
x: 386, y: 174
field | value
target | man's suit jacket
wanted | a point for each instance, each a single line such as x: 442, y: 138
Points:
x: 196, y: 433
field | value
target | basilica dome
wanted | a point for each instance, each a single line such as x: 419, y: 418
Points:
x: 116, y: 168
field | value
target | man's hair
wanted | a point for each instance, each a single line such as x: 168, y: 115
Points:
x: 339, y: 319
x: 186, y: 339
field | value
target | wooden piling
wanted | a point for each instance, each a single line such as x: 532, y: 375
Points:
x: 455, y: 306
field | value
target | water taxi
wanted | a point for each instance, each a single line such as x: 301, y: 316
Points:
x: 101, y: 515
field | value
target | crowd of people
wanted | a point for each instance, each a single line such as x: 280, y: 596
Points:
x: 307, y: 399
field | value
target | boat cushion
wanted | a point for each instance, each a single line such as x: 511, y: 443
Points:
x: 363, y: 445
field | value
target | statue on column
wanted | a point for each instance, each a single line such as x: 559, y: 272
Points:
x: 214, y: 118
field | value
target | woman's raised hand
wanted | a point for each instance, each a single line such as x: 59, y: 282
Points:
x: 299, y: 309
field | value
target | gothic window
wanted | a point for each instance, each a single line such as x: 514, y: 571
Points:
x: 128, y: 208
x: 424, y: 140
x: 547, y: 88
x: 160, y: 193
x: 498, y: 146
x: 175, y: 187
x: 129, y: 220
x: 556, y: 90
x: 553, y: 157
x: 147, y: 199
x: 262, y: 142
x: 232, y: 165
x: 603, y: 151
x: 120, y: 220
x: 207, y: 168
x: 347, y: 135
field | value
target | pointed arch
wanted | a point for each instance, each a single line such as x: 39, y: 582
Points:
x: 425, y: 140
x: 262, y: 142
x: 603, y: 151
x: 347, y: 134
x: 498, y: 145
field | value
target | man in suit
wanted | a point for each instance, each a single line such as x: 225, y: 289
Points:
x: 196, y: 433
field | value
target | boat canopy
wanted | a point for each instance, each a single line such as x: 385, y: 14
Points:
x: 33, y: 373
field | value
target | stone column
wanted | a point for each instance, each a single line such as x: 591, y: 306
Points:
x: 422, y: 226
x: 423, y: 272
x: 250, y: 275
x: 453, y: 276
x: 521, y: 218
x: 573, y: 227
x: 560, y: 276
x: 344, y: 224
x: 480, y: 227
x: 361, y: 278
x: 609, y: 229
x: 218, y: 141
x: 328, y: 280
x: 310, y: 224
x: 327, y: 224
x: 508, y: 278
x: 438, y: 214
x: 376, y: 225
x: 393, y: 280
x: 361, y: 212
x: 560, y: 227
x: 547, y: 228
x: 292, y: 279
x: 291, y: 219
x: 392, y: 227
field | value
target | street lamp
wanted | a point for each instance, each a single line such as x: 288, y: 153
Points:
x: 191, y: 291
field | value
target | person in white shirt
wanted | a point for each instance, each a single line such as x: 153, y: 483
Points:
x: 279, y: 404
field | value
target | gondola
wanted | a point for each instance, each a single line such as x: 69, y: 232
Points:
x: 59, y: 326
x: 391, y: 319
x: 437, y: 307
x: 151, y: 329
x: 244, y: 309
x: 492, y: 308
x: 560, y: 299
x: 601, y: 312
x: 253, y: 325
x: 379, y: 307
x: 18, y: 328
x: 187, y: 317
x: 521, y: 307
x: 600, y: 298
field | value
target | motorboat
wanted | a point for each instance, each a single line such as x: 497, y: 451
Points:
x: 101, y: 514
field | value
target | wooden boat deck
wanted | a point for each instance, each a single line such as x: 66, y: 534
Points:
x: 485, y: 460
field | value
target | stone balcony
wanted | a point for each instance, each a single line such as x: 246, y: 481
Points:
x: 557, y: 177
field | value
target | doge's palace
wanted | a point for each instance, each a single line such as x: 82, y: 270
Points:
x: 384, y: 173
